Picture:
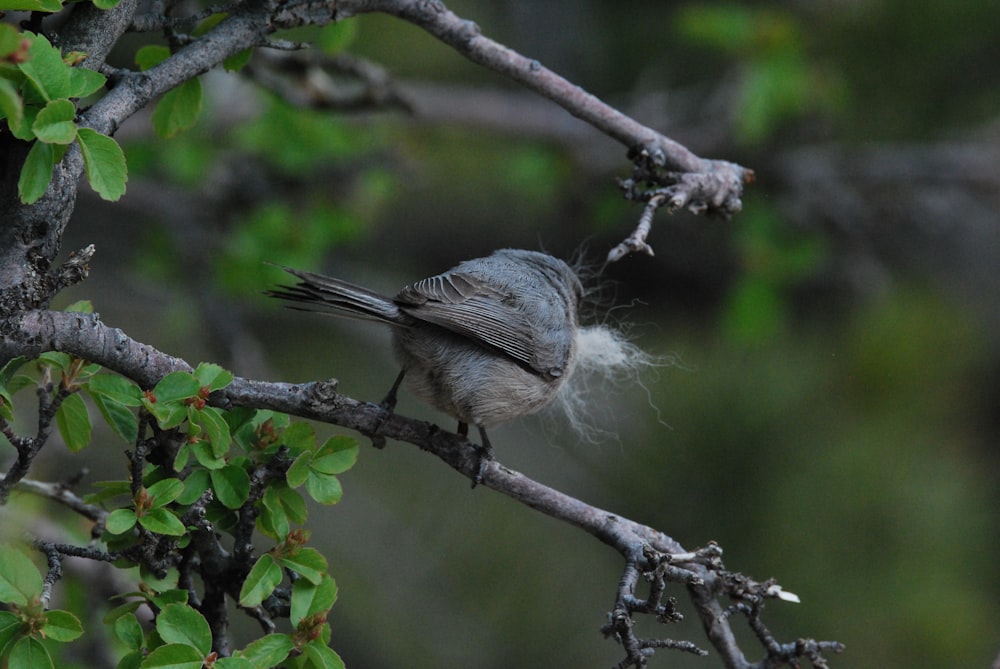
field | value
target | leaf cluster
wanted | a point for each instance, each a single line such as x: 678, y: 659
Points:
x: 26, y: 627
x: 198, y: 474
x: 38, y: 86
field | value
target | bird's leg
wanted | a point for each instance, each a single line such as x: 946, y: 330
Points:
x: 485, y: 452
x: 389, y: 401
x: 389, y: 404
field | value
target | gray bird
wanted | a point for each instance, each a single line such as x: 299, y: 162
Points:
x: 487, y: 341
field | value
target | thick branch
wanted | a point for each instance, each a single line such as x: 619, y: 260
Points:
x: 85, y: 336
x: 31, y: 235
x: 134, y: 90
x: 95, y: 31
x: 61, y: 493
x: 650, y: 552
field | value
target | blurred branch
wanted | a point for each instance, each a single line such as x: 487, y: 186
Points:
x: 62, y: 493
x: 647, y: 552
x: 33, y: 234
x: 930, y: 209
x: 701, y: 185
x: 343, y: 82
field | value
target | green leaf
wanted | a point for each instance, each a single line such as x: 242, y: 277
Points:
x: 299, y: 437
x: 123, y: 610
x: 298, y: 472
x: 31, y: 5
x: 273, y: 523
x: 263, y: 578
x: 29, y: 653
x: 127, y: 629
x: 176, y: 386
x: 23, y: 129
x: 268, y: 651
x: 308, y: 563
x: 293, y: 503
x: 10, y: 368
x: 232, y: 486
x: 150, y: 56
x: 20, y: 581
x: 204, y: 453
x: 60, y: 361
x: 336, y: 456
x: 6, y: 404
x: 165, y: 491
x: 61, y: 626
x: 106, y: 4
x: 282, y: 506
x: 179, y: 623
x: 174, y: 656
x: 132, y: 660
x: 237, y: 61
x: 120, y: 521
x: 80, y: 307
x: 36, y: 173
x: 209, y: 24
x: 45, y: 68
x: 322, y: 656
x: 107, y: 490
x: 194, y: 485
x: 216, y: 429
x: 309, y: 599
x: 178, y: 109
x: 74, y: 422
x: 166, y: 597
x: 162, y: 521
x: 113, y: 396
x: 10, y: 40
x: 168, y: 414
x: 54, y: 123
x: 213, y: 376
x: 20, y: 382
x: 83, y: 82
x: 11, y: 628
x: 237, y: 417
x: 335, y: 37
x: 324, y: 488
x: 122, y: 420
x: 11, y: 105
x: 233, y: 663
x: 10, y: 383
x: 104, y: 163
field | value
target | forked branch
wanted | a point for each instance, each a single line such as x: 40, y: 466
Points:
x: 649, y: 554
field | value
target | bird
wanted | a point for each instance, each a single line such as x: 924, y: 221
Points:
x: 487, y: 341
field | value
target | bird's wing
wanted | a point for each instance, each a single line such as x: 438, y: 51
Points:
x: 491, y: 316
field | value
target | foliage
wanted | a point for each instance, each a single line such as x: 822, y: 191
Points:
x: 197, y: 472
x: 773, y: 260
x: 37, y: 88
x: 776, y: 57
x: 780, y: 80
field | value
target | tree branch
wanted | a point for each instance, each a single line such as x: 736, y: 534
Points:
x: 718, y: 185
x: 61, y: 493
x: 647, y: 551
x: 30, y: 241
x: 134, y: 90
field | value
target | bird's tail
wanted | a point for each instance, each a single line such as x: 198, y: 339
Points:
x: 326, y: 294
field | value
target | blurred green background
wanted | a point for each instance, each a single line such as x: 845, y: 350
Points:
x: 833, y: 421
